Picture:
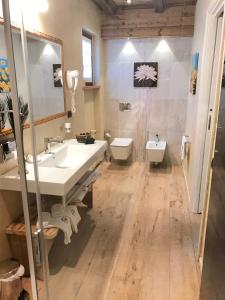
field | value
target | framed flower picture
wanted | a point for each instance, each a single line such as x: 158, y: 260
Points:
x: 194, y: 73
x: 4, y: 76
x: 145, y: 74
x: 57, y: 74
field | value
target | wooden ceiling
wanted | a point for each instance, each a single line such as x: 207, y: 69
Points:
x: 147, y: 18
x: 134, y: 2
x: 153, y: 3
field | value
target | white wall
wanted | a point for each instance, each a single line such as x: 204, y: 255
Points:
x: 159, y: 110
x: 197, y: 110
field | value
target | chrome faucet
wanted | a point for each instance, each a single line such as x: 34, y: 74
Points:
x: 157, y: 138
x: 48, y: 141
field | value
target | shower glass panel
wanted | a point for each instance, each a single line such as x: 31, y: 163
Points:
x: 44, y: 91
x: 19, y: 177
x: 37, y: 62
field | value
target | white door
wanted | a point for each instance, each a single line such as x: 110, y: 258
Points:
x: 212, y: 117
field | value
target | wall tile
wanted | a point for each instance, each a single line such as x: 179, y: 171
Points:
x: 159, y: 110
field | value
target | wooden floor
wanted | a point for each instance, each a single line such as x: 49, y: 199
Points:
x: 136, y: 243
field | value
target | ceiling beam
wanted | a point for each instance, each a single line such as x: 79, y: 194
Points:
x: 136, y: 6
x: 151, y: 6
x: 159, y: 5
x: 107, y: 6
x: 185, y: 31
x: 147, y: 23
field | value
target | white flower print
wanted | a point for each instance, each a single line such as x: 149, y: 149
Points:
x: 145, y: 72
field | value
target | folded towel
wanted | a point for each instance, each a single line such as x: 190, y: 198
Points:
x: 74, y: 216
x: 91, y: 178
x: 183, y: 147
x: 69, y: 211
x: 61, y: 222
x: 79, y: 195
x: 64, y: 224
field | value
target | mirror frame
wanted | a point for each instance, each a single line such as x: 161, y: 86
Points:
x: 41, y: 35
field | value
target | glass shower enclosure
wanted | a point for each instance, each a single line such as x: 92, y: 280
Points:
x: 17, y: 109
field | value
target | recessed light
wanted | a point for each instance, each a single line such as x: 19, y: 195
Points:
x: 128, y: 48
x: 163, y: 46
x: 128, y: 1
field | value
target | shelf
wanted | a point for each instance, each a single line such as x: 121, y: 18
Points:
x: 91, y: 87
x: 19, y: 228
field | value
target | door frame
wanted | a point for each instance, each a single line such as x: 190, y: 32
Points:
x: 214, y: 12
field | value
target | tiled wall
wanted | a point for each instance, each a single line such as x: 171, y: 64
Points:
x: 159, y: 110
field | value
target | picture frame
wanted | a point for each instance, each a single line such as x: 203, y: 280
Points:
x: 146, y: 74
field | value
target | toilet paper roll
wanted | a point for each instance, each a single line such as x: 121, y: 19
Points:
x: 67, y: 127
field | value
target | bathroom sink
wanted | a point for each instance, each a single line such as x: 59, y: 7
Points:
x: 60, y: 170
x: 161, y: 145
x: 70, y: 156
x: 155, y: 151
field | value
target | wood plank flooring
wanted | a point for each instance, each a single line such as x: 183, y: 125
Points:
x: 136, y: 243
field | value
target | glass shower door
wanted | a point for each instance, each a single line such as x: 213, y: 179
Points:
x: 15, y: 41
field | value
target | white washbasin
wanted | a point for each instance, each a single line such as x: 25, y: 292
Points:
x: 58, y: 172
x: 155, y: 151
x: 69, y: 156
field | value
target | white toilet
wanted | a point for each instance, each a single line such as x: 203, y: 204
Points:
x: 155, y: 151
x: 121, y: 148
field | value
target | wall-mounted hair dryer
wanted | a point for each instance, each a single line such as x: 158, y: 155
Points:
x: 72, y: 81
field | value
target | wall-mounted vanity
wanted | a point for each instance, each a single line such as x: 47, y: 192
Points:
x: 60, y: 170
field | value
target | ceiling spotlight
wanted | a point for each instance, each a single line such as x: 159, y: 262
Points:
x: 163, y: 46
x: 128, y: 1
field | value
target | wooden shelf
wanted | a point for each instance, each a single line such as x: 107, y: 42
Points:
x: 18, y: 228
x: 91, y: 87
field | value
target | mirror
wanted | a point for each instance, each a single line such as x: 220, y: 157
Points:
x: 45, y: 64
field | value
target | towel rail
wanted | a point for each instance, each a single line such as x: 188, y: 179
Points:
x: 82, y: 187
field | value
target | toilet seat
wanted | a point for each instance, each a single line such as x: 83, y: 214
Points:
x: 121, y: 142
